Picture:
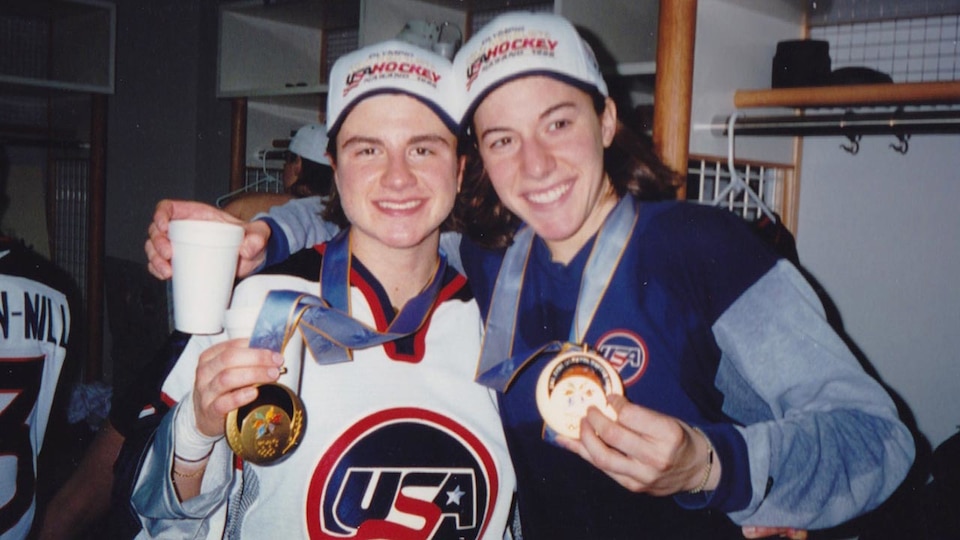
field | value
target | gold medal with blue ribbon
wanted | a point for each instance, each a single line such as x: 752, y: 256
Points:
x: 578, y: 376
x: 329, y: 334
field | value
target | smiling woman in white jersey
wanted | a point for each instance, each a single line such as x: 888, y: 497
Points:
x: 399, y: 441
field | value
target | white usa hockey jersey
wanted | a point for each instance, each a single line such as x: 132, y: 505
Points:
x: 399, y: 443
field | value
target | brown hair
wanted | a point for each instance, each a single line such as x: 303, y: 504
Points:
x: 630, y: 161
x: 314, y: 179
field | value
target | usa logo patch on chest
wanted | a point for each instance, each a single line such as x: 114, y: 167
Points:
x: 627, y: 352
x: 404, y: 473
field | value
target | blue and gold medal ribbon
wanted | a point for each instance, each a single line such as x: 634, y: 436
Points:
x: 328, y: 330
x: 499, y: 364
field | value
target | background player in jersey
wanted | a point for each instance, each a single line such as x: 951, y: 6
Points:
x: 399, y: 441
x: 306, y: 174
x: 733, y: 340
x: 35, y: 338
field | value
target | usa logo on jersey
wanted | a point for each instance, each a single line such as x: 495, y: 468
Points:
x: 403, y: 473
x: 626, y: 351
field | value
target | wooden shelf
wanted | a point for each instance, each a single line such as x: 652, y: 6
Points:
x: 893, y: 94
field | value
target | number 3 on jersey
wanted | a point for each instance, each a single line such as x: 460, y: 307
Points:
x: 19, y: 388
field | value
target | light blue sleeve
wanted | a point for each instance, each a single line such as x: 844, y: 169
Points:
x: 154, y: 496
x: 824, y: 440
x: 303, y: 227
x: 301, y: 223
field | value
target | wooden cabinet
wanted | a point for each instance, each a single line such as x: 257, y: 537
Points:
x: 273, y: 61
x: 274, y: 57
x: 274, y: 49
x: 384, y: 19
x: 623, y: 32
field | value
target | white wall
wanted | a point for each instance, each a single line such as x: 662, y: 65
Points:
x: 168, y: 134
x: 734, y: 49
x: 879, y: 231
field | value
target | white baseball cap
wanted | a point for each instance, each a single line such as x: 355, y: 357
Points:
x: 519, y: 44
x: 310, y: 142
x: 393, y: 67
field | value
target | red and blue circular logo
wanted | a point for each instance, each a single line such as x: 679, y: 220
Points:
x: 403, y: 473
x: 626, y: 351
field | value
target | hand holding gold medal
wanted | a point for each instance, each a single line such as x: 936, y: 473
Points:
x: 269, y: 428
x: 290, y: 321
x: 573, y: 381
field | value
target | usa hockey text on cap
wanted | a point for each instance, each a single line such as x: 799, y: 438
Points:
x: 393, y: 67
x: 520, y: 44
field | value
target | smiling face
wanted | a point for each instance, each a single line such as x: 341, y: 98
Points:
x: 542, y: 145
x: 397, y: 174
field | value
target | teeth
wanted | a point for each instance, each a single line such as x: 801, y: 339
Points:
x: 549, y: 196
x: 387, y: 205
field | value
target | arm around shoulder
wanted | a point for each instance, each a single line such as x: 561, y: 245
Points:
x: 302, y: 226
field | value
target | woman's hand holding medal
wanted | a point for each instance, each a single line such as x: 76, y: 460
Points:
x: 645, y: 451
x: 227, y: 376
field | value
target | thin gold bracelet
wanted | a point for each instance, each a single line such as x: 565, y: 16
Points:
x: 709, y: 468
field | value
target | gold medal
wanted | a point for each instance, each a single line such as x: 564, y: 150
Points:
x: 573, y: 381
x: 269, y: 428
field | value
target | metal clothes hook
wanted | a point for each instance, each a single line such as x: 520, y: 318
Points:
x: 854, y: 145
x: 854, y: 137
x: 903, y: 146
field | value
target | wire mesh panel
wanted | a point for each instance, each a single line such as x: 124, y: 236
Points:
x: 262, y: 180
x: 25, y: 45
x: 23, y: 110
x: 919, y: 49
x: 708, y: 179
x: 71, y: 184
x: 846, y: 11
x: 24, y: 52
